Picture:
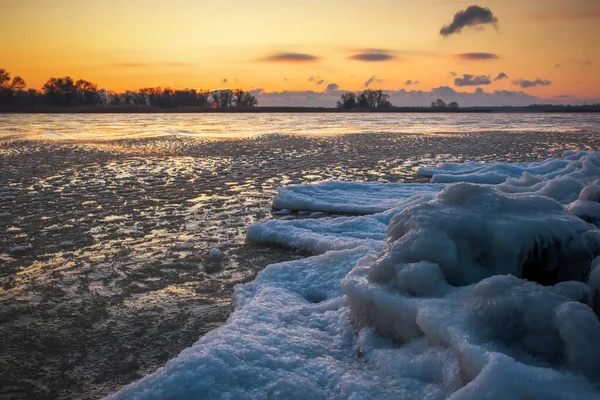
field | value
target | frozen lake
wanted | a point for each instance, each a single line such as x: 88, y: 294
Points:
x: 107, y: 126
x: 107, y: 221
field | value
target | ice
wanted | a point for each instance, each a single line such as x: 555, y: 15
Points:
x: 318, y: 236
x: 350, y: 197
x: 215, y: 253
x: 577, y: 165
x: 587, y: 206
x: 461, y: 291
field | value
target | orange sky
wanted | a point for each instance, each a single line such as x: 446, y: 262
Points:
x: 190, y: 43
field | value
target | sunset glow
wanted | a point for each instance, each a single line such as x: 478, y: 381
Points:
x: 304, y: 46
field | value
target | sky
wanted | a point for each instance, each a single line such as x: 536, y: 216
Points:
x: 493, y: 52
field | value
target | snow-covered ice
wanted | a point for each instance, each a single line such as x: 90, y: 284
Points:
x: 350, y: 197
x: 461, y: 291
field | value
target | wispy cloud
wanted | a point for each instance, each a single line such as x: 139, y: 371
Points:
x: 477, y: 56
x: 291, y: 58
x: 372, y: 80
x: 501, y: 76
x: 410, y: 82
x: 473, y: 16
x: 525, y: 83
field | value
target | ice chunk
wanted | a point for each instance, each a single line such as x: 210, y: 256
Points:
x: 351, y: 197
x: 587, y: 206
x: 581, y: 166
x: 473, y: 232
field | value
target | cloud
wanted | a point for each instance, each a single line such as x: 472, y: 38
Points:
x: 586, y: 63
x: 452, y: 74
x: 524, y: 83
x: 373, y: 55
x: 411, y: 82
x: 313, y: 78
x: 320, y: 82
x: 474, y: 16
x: 332, y: 86
x: 557, y: 65
x: 225, y: 80
x: 371, y: 80
x: 291, y: 58
x: 472, y: 80
x: 501, y: 76
x: 477, y: 56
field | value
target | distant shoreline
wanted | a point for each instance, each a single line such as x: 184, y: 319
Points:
x: 298, y: 110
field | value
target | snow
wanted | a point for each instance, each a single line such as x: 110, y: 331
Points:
x: 461, y: 291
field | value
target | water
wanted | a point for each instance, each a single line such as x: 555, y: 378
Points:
x: 106, y: 228
x: 113, y: 126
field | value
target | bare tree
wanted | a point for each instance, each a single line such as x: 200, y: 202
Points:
x: 8, y: 88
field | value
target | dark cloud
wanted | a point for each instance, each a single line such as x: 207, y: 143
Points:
x: 411, y: 82
x: 332, y: 86
x: 225, y: 80
x: 474, y: 16
x: 524, y: 83
x: 452, y: 74
x: 557, y: 65
x: 472, y: 80
x: 291, y: 58
x: 477, y: 56
x: 320, y: 82
x: 371, y: 80
x: 501, y: 76
x: 373, y: 55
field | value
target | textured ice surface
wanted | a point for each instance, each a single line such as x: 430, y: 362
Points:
x: 425, y: 298
x: 350, y: 197
x: 579, y: 165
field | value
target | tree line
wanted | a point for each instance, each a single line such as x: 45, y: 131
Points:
x: 66, y: 92
x: 373, y: 99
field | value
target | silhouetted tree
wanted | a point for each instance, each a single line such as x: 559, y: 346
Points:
x: 366, y: 99
x: 60, y: 91
x: 347, y: 101
x: 67, y: 92
x: 453, y: 105
x: 221, y: 98
x: 8, y: 88
x: 243, y: 99
x: 439, y: 103
x: 87, y: 92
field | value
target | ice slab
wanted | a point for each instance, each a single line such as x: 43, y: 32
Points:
x: 350, y: 197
